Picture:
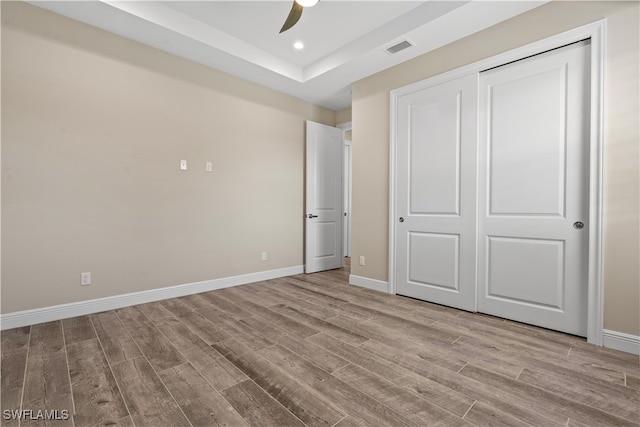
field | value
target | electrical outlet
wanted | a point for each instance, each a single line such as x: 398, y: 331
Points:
x: 85, y: 278
x: 264, y: 256
x: 361, y: 260
x: 208, y: 166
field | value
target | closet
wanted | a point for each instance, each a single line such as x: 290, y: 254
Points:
x: 491, y: 198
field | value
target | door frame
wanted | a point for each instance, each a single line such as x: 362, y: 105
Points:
x: 596, y: 32
x: 346, y: 206
x: 347, y: 178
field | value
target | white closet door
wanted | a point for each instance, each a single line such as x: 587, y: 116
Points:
x: 533, y: 194
x: 436, y: 193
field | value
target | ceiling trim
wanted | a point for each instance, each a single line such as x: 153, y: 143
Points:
x: 325, y: 82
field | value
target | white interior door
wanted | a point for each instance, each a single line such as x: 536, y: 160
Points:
x: 324, y: 213
x: 533, y: 194
x: 436, y: 193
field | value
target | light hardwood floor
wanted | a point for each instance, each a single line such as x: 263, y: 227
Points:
x: 310, y: 350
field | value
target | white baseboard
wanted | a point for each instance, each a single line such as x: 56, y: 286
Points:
x: 621, y: 341
x: 63, y: 311
x: 365, y: 282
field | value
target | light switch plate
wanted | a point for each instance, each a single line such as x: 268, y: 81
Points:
x: 183, y: 165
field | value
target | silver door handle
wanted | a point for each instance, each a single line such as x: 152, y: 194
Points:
x: 578, y: 225
x: 312, y: 216
x: 401, y: 219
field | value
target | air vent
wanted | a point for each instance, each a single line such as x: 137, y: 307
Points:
x: 398, y: 47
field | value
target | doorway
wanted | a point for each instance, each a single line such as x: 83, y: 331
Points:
x: 346, y: 176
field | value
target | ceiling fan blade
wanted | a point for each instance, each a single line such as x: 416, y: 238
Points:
x: 294, y: 16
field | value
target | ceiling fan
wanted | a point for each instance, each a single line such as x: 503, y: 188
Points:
x: 296, y: 13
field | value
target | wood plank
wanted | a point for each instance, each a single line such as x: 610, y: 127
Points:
x: 158, y: 349
x: 574, y: 423
x: 486, y: 354
x: 320, y: 325
x: 611, y: 398
x: 418, y: 410
x: 426, y: 316
x: 47, y: 385
x: 326, y: 282
x: 16, y: 339
x: 323, y: 307
x: 155, y: 311
x: 203, y: 327
x: 12, y: 369
x: 77, y: 329
x: 14, y: 344
x: 296, y: 328
x: 343, y: 396
x: 195, y: 301
x: 350, y: 422
x: 360, y: 357
x: 235, y: 295
x: 217, y: 370
x: 117, y: 344
x: 632, y: 382
x: 225, y: 306
x: 393, y: 304
x: 556, y: 402
x: 302, y: 304
x: 473, y: 325
x: 124, y: 422
x: 418, y: 331
x: 310, y: 407
x: 149, y: 402
x: 266, y: 295
x: 313, y: 353
x: 426, y: 350
x: 320, y: 288
x: 235, y: 328
x: 521, y: 408
x: 176, y: 307
x: 514, y: 350
x: 323, y: 292
x: 45, y: 331
x: 258, y: 408
x: 200, y: 402
x: 435, y: 393
x: 600, y: 356
x: 96, y: 397
x: 484, y: 414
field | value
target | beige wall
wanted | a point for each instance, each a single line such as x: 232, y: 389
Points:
x: 621, y: 163
x: 93, y: 129
x: 343, y: 116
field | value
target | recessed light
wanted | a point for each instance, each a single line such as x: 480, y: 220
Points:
x: 298, y: 45
x: 307, y: 3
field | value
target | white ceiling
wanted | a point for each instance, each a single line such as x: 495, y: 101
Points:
x: 345, y: 41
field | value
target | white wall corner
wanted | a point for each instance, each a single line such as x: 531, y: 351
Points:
x: 621, y: 341
x: 373, y: 284
x: 64, y: 311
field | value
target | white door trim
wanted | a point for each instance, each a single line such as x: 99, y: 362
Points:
x: 596, y: 32
x: 346, y: 181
